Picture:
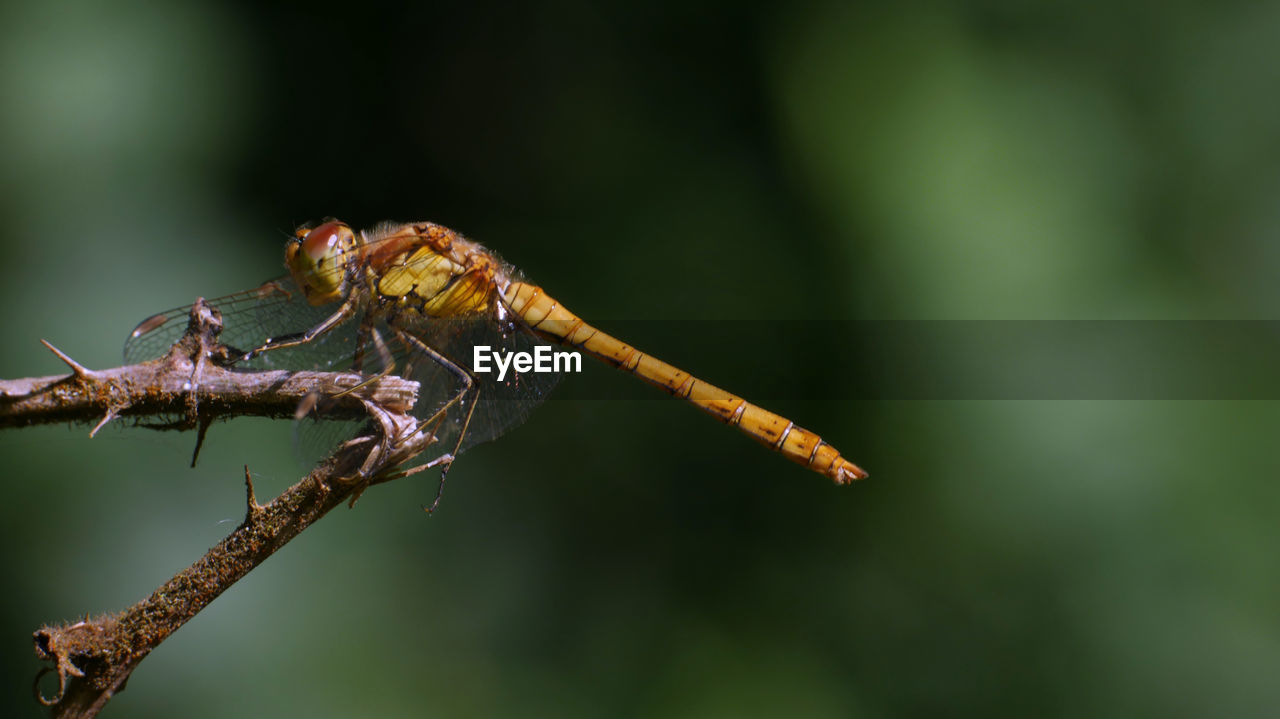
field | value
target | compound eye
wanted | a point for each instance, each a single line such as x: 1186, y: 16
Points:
x: 320, y: 241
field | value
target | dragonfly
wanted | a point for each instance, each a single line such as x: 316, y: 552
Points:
x: 416, y: 299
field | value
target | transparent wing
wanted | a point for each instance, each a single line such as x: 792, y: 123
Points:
x: 435, y: 353
x: 249, y: 318
x: 318, y: 431
x: 379, y: 339
x: 500, y: 402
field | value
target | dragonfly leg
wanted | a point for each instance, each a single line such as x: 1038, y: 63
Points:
x: 363, y: 332
x: 384, y: 352
x: 367, y: 334
x: 457, y: 446
x: 469, y: 386
x: 315, y: 401
x: 464, y: 377
x: 344, y: 313
x: 444, y: 459
x: 388, y: 362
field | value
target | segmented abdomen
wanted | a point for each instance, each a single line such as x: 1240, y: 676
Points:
x: 548, y: 317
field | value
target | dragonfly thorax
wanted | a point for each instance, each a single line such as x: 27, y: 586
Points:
x: 317, y: 258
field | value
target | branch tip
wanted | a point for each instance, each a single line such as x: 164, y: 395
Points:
x: 62, y: 664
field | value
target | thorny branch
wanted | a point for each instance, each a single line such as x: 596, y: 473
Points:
x: 93, y: 658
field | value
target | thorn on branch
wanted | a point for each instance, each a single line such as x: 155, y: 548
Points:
x: 253, y: 509
x: 110, y: 415
x: 77, y: 368
x: 201, y: 431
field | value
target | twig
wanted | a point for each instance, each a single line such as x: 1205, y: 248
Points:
x: 168, y: 387
x: 93, y: 658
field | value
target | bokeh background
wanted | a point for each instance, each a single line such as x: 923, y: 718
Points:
x: 702, y: 162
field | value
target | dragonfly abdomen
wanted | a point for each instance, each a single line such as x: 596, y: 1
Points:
x: 551, y: 319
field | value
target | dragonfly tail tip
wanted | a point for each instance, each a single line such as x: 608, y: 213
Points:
x: 848, y: 473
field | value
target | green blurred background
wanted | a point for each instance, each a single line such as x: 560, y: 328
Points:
x: 692, y: 161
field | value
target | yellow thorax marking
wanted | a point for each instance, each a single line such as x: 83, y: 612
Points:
x: 444, y: 287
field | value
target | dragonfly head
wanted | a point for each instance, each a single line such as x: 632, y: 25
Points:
x: 317, y: 259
